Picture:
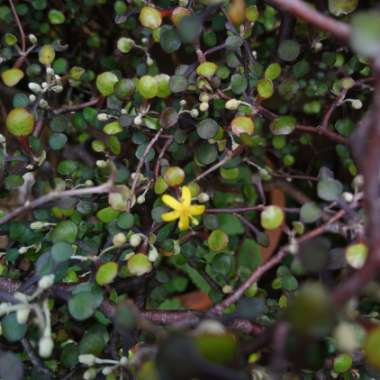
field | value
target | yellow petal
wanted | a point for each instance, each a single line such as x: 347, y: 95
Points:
x: 186, y: 196
x: 170, y: 216
x: 183, y: 223
x: 197, y: 210
x: 171, y: 202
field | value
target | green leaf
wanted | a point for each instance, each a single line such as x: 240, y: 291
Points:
x: 57, y: 141
x: 329, y: 189
x: 189, y: 28
x: 217, y: 240
x: 273, y: 71
x: 83, y: 305
x: 265, y: 88
x: 207, y: 128
x: 61, y: 251
x: 65, y: 231
x: 238, y: 84
x: 283, y: 125
x: 169, y: 39
x: 289, y: 50
x: 310, y: 212
x: 12, y: 330
x: 196, y: 278
x: 233, y: 42
x: 107, y: 214
x: 106, y: 273
x: 249, y: 257
x: 230, y: 224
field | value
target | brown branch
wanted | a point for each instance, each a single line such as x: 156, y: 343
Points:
x: 77, y: 107
x: 19, y: 25
x: 304, y: 11
x: 53, y: 195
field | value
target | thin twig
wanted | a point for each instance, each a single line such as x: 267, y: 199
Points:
x: 141, y: 163
x: 19, y: 25
x: 227, y: 157
x: 304, y: 11
x: 77, y: 107
x: 53, y: 195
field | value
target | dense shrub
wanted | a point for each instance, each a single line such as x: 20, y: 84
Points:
x: 189, y: 189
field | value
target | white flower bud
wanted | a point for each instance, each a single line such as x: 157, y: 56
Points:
x: 204, y: 97
x: 32, y: 98
x: 144, y: 40
x: 89, y: 183
x: 203, y: 197
x: 232, y: 104
x: 149, y: 61
x: 43, y: 104
x: 49, y: 70
x: 203, y: 107
x: 135, y: 240
x: 89, y: 374
x: 44, y: 85
x: 23, y: 250
x: 102, y: 117
x: 101, y: 163
x: 45, y: 346
x: 140, y: 199
x: 182, y: 102
x: 107, y: 370
x: 57, y: 89
x: 33, y: 39
x: 119, y: 239
x: 22, y: 315
x: 138, y: 120
x: 153, y: 254
x: 35, y: 87
x: 348, y: 197
x: 194, y: 113
x: 37, y: 226
x: 46, y: 281
x: 87, y: 359
x: 356, y: 104
x: 4, y: 307
x: 227, y: 289
x: 123, y: 361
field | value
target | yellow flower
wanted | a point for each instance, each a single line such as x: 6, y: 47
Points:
x: 182, y: 210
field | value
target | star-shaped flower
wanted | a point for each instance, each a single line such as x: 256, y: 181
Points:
x: 182, y: 209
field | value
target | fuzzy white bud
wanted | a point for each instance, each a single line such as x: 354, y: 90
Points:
x: 119, y: 239
x: 203, y: 197
x: 49, y: 70
x: 356, y: 104
x: 45, y: 346
x: 138, y: 120
x: 87, y: 359
x: 149, y: 61
x: 57, y: 89
x: 46, y: 281
x: 135, y: 240
x: 123, y: 361
x: 101, y: 164
x: 102, y: 116
x: 32, y: 98
x: 89, y: 374
x: 348, y: 197
x: 107, y: 370
x: 194, y: 113
x: 232, y: 104
x: 182, y: 102
x: 140, y: 199
x: 203, y: 107
x: 204, y: 97
x: 35, y: 87
x: 43, y: 104
x: 33, y: 39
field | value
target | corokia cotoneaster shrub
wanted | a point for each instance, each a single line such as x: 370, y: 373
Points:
x: 189, y: 190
